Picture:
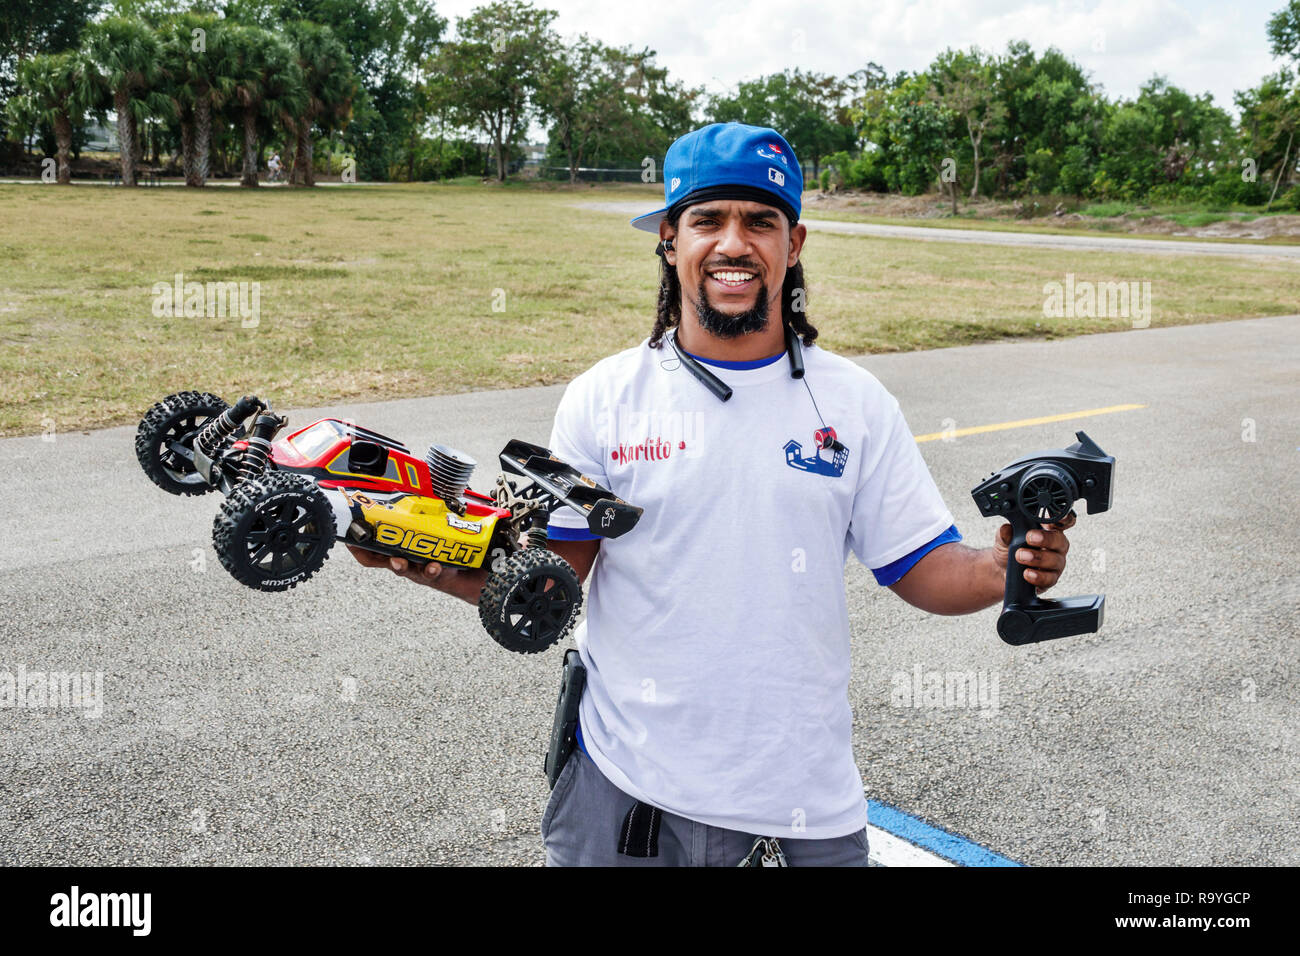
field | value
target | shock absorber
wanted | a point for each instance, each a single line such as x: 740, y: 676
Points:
x: 537, y: 532
x: 253, y: 461
x: 215, y: 432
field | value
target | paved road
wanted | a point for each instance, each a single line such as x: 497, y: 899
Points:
x: 362, y: 719
x: 992, y: 238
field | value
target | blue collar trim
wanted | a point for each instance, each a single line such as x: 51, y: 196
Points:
x: 738, y: 366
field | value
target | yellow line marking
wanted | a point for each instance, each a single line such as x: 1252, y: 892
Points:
x: 1024, y: 422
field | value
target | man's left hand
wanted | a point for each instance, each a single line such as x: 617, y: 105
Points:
x: 1043, y: 554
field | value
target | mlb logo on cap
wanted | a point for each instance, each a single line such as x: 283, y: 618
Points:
x: 774, y: 152
x: 729, y: 160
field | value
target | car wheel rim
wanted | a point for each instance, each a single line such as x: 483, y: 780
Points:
x: 281, y: 539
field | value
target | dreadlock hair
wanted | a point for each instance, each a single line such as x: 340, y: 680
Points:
x: 668, y: 315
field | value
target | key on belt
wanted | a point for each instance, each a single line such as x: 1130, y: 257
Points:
x: 765, y: 852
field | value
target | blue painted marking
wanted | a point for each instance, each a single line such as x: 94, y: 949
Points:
x: 927, y: 836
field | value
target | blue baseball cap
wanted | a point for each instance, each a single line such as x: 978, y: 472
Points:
x: 729, y: 161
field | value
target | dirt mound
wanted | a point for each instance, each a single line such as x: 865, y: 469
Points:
x: 1264, y: 227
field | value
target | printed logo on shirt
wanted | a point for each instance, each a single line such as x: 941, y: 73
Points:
x: 632, y: 435
x: 815, y: 463
x: 652, y: 449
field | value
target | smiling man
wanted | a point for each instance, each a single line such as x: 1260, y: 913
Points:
x: 715, y: 725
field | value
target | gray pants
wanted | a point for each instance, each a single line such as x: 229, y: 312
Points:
x: 582, y: 821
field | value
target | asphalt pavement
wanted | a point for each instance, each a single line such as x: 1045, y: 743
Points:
x: 361, y: 719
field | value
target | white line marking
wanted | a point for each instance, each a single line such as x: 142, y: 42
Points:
x: 889, y: 850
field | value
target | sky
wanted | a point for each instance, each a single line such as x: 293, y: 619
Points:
x: 1214, y: 46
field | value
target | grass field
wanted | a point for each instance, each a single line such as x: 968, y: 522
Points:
x: 374, y: 292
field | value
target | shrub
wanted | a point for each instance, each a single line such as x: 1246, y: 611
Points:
x: 1044, y: 171
x: 1289, y: 201
x: 860, y: 173
x: 1075, y: 174
x: 1104, y: 210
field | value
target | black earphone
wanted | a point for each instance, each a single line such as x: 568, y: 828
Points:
x: 723, y: 391
x: 825, y: 436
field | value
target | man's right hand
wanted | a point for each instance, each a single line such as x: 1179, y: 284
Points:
x: 463, y: 583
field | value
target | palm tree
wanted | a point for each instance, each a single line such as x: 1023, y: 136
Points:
x: 266, y: 82
x: 330, y: 86
x: 55, y: 90
x: 199, y: 69
x: 125, y: 57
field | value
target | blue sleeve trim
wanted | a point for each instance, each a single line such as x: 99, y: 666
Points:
x: 556, y: 533
x: 894, y: 571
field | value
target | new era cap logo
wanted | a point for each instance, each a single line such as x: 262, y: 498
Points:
x: 776, y: 175
x: 675, y: 183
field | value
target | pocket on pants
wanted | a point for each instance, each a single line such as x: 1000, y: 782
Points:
x: 866, y: 845
x: 563, y: 784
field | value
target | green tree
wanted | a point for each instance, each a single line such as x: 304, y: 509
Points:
x: 29, y: 27
x: 1054, y: 118
x: 197, y: 62
x: 924, y: 133
x: 658, y: 109
x: 809, y: 109
x: 1158, y: 137
x: 1270, y: 119
x: 497, y: 60
x: 964, y: 84
x: 1278, y: 107
x: 1284, y: 31
x: 267, y: 84
x: 123, y: 57
x: 581, y: 94
x: 55, y: 89
x: 863, y: 88
x: 330, y: 87
x: 389, y: 43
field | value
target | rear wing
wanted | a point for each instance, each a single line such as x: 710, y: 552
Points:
x: 608, y: 516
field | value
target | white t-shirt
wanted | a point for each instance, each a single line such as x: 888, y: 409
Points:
x: 717, y: 636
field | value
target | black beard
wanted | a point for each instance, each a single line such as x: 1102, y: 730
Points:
x: 731, y: 326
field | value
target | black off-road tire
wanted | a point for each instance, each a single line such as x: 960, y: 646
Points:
x: 176, y: 420
x: 517, y: 608
x: 275, y: 531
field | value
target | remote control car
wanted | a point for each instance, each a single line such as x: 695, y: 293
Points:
x: 288, y: 501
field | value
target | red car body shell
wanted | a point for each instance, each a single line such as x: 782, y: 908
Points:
x: 322, y: 453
